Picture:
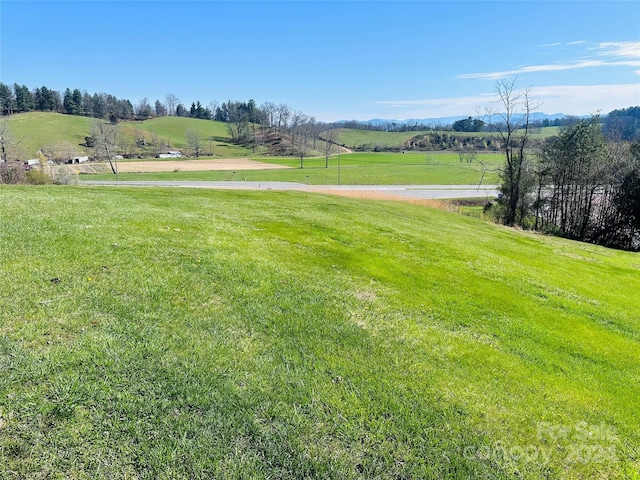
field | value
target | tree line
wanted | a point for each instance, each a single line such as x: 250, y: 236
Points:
x: 289, y: 132
x: 623, y: 123
x: 20, y: 98
x: 583, y: 183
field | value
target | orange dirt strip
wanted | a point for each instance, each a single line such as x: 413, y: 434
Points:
x: 192, y: 165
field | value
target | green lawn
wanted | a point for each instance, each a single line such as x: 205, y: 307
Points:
x: 156, y: 333
x: 352, y: 169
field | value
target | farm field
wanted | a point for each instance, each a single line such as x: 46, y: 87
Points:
x: 350, y: 169
x: 63, y: 136
x: 207, y: 334
x: 191, y: 165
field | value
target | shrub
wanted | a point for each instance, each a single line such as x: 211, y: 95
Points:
x: 38, y: 177
x: 62, y: 175
x: 11, y: 174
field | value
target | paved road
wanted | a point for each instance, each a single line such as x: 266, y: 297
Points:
x: 403, y: 191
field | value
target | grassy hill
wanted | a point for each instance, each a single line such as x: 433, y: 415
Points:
x: 171, y: 130
x: 150, y: 333
x: 66, y: 133
x: 64, y: 136
x: 38, y: 130
x: 369, y: 140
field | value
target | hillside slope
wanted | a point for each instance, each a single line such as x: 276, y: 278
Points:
x: 370, y: 140
x: 49, y: 131
x: 151, y: 333
x: 64, y: 135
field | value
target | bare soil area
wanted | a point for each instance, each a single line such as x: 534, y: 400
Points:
x: 184, y: 165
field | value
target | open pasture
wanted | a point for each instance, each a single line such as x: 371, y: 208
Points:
x: 65, y: 134
x: 43, y: 130
x: 150, y: 333
x: 184, y: 165
x: 352, y: 138
x: 350, y: 169
x: 213, y: 136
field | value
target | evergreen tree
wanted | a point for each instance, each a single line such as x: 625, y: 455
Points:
x: 69, y: 103
x: 99, y: 110
x: 25, y: 101
x: 46, y: 100
x: 77, y: 100
x: 7, y: 100
x: 161, y: 110
x: 222, y: 113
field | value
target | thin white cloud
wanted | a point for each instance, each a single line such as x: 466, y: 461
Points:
x: 567, y: 99
x: 439, y: 102
x: 620, y: 49
x: 620, y: 54
x: 560, y: 44
x: 585, y: 99
x: 555, y: 67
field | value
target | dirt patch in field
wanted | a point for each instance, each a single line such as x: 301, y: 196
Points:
x: 187, y: 165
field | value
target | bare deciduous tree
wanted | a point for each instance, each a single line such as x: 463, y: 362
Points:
x: 139, y: 136
x: 105, y: 136
x: 512, y: 124
x: 143, y: 109
x: 193, y: 141
x: 171, y: 102
x: 330, y: 145
x: 155, y: 139
x: 269, y: 111
x: 8, y: 144
x: 282, y: 115
x: 213, y: 106
x: 303, y: 133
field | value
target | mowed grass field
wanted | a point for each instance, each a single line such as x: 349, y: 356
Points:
x: 349, y: 169
x: 152, y: 333
x: 37, y: 130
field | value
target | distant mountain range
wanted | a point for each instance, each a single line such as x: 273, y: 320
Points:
x: 535, y: 116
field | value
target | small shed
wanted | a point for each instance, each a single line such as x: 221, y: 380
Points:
x: 170, y: 154
x: 78, y: 159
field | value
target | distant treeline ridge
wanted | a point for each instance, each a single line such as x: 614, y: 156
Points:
x: 621, y: 123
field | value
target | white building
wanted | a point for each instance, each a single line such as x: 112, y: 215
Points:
x: 78, y: 159
x: 170, y: 154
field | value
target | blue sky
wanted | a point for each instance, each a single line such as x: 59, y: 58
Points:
x: 331, y: 59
